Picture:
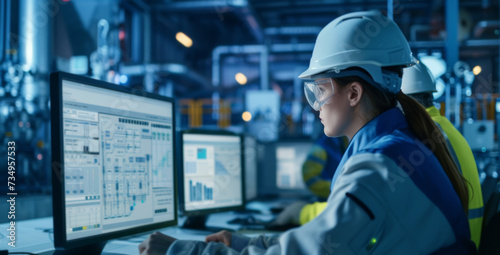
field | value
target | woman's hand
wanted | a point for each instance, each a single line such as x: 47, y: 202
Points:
x: 156, y: 244
x: 221, y: 237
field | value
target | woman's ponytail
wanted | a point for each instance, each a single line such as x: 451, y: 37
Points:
x: 421, y: 124
x: 426, y: 130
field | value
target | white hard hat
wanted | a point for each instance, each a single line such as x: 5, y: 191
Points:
x: 418, y: 79
x: 366, y: 40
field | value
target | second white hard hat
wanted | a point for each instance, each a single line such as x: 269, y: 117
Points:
x: 418, y: 79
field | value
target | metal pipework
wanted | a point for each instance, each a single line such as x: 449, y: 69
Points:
x: 255, y: 49
x: 245, y: 49
x: 35, y: 27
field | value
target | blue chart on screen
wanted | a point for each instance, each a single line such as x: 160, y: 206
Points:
x: 202, y: 153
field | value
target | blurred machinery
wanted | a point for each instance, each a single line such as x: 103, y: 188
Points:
x: 474, y: 114
x: 26, y: 59
x: 104, y: 61
x: 24, y: 90
x: 264, y: 106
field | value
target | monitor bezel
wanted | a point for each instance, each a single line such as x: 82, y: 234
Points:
x: 181, y: 175
x: 58, y: 194
x: 255, y: 141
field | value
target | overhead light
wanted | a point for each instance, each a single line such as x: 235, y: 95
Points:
x: 477, y: 70
x: 241, y: 78
x: 246, y: 116
x: 184, y: 39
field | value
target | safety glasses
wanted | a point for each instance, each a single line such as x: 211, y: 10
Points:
x: 318, y: 92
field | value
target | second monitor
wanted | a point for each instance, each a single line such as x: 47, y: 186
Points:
x: 212, y: 175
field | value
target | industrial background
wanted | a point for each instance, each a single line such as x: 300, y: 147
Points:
x: 217, y: 57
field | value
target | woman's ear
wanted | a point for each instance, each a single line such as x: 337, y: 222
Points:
x: 354, y: 93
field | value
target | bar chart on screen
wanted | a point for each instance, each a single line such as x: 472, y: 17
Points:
x: 200, y: 191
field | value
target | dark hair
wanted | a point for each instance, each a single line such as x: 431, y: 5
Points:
x: 424, y: 99
x: 422, y: 126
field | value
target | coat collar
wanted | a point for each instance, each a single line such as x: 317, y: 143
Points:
x: 384, y: 124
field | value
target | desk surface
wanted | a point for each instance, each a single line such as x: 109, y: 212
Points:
x: 36, y: 235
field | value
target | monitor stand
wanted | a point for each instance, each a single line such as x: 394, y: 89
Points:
x: 95, y: 248
x: 196, y: 222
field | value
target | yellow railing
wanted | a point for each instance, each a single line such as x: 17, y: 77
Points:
x: 196, y: 108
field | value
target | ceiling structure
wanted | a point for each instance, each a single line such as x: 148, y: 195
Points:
x: 289, y: 28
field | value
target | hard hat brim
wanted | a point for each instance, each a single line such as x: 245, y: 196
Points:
x: 307, y: 74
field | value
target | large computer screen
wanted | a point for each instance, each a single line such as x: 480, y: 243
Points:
x: 113, y: 154
x: 212, y: 175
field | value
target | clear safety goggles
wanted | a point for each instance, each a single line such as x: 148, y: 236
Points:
x: 318, y: 92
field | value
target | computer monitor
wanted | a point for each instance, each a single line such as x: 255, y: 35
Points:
x: 281, y: 175
x: 212, y: 175
x: 290, y: 156
x: 113, y: 162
